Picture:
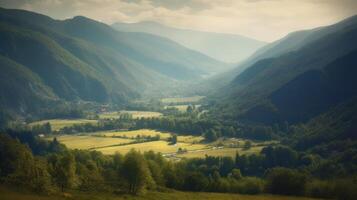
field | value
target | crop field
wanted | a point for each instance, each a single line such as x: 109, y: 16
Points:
x: 231, y: 152
x: 157, y: 146
x: 192, y: 99
x: 57, y: 124
x: 90, y: 142
x: 110, y: 142
x: 134, y: 114
x: 181, y: 108
x: 134, y: 133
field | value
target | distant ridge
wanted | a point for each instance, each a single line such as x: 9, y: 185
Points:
x: 229, y: 48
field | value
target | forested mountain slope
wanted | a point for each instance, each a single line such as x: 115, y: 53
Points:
x: 298, y: 84
x: 81, y: 59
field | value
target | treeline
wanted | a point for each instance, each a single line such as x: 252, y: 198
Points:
x: 49, y: 167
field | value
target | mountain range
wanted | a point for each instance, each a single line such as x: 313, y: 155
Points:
x: 80, y: 59
x: 297, y: 78
x: 230, y: 48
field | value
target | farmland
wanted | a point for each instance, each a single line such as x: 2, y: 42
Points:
x: 180, y: 100
x: 57, y: 124
x: 187, y: 146
x: 134, y: 114
x: 181, y: 108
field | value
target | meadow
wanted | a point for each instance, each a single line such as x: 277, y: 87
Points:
x: 231, y: 152
x: 134, y: 133
x: 181, y: 108
x: 181, y: 100
x: 187, y: 146
x: 11, y: 194
x: 57, y: 124
x: 134, y: 114
x: 90, y: 142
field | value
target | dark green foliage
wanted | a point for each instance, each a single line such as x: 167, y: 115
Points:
x: 136, y: 172
x: 285, y: 181
x: 301, y: 88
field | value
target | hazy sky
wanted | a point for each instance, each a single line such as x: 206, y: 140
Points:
x: 261, y: 19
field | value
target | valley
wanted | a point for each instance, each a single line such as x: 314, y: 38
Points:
x: 133, y: 105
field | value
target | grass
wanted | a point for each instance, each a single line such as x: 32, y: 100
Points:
x: 181, y: 108
x: 57, y: 124
x: 158, y: 146
x: 11, y: 194
x: 219, y: 152
x: 134, y: 114
x: 134, y: 133
x: 90, y: 142
x: 192, y: 99
x: 108, y: 142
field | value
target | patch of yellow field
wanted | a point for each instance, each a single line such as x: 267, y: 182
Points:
x: 181, y: 108
x: 134, y: 114
x: 219, y: 152
x: 182, y: 99
x: 88, y: 142
x: 57, y: 124
x: 190, y: 139
x: 134, y: 133
x: 156, y: 146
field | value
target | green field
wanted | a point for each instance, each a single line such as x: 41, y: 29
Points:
x: 181, y: 108
x: 134, y: 133
x: 90, y: 142
x: 219, y: 152
x: 9, y: 194
x: 134, y: 114
x: 110, y: 142
x: 158, y: 146
x: 192, y: 99
x: 57, y: 124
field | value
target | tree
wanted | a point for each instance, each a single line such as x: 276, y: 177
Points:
x: 135, y: 171
x: 247, y: 145
x: 211, y: 135
x: 236, y: 174
x: 285, y: 181
x: 173, y: 139
x: 63, y: 170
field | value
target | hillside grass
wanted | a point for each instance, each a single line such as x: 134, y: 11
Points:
x: 57, y: 124
x: 11, y: 194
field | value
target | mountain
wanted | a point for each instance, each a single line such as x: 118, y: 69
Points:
x: 297, y: 78
x: 80, y: 59
x: 289, y: 43
x: 224, y: 47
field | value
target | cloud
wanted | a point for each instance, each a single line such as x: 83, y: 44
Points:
x: 262, y: 19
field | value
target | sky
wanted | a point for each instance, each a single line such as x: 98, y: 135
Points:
x: 265, y: 20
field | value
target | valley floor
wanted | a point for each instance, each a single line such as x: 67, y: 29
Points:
x: 9, y: 194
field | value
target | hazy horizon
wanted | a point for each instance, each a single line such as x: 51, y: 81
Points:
x: 265, y: 20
